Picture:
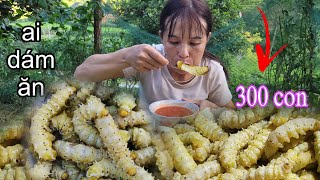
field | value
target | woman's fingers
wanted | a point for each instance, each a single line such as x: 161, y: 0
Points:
x: 149, y: 66
x: 143, y: 69
x: 145, y: 58
x: 158, y: 59
x: 154, y: 63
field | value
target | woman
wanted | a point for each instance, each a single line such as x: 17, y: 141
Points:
x: 185, y: 29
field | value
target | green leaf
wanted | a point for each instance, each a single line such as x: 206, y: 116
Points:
x: 54, y: 28
x: 59, y: 33
x: 43, y: 4
x: 75, y: 27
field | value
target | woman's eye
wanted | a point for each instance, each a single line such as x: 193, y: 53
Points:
x: 194, y: 44
x: 174, y: 43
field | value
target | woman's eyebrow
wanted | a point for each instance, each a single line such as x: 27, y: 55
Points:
x: 196, y: 37
x: 174, y: 36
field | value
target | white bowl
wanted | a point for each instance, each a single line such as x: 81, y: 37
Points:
x: 171, y: 121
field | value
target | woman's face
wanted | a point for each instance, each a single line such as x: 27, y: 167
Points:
x: 184, y: 45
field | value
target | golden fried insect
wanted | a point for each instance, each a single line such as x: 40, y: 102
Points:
x: 298, y: 157
x: 233, y: 174
x: 209, y: 129
x: 194, y: 70
x: 215, y: 147
x: 40, y: 133
x: 107, y: 168
x: 200, y: 145
x: 144, y: 157
x: 126, y: 102
x: 255, y: 148
x: 115, y: 144
x: 291, y: 129
x: 140, y: 137
x: 78, y: 152
x: 229, y: 150
x: 135, y: 118
x: 242, y: 118
x: 182, y: 160
x: 282, y: 116
x: 204, y: 171
x: 216, y: 112
x: 40, y: 171
x: 183, y: 128
x: 191, y: 151
x: 64, y: 125
x: 58, y: 173
x: 292, y: 176
x: 294, y: 142
x: 274, y: 172
x: 104, y: 92
x: 85, y: 90
x: 303, y: 160
x: 164, y: 160
x: 12, y: 122
x: 93, y: 109
x: 10, y: 154
x: 125, y: 135
x: 18, y: 173
x: 73, y: 171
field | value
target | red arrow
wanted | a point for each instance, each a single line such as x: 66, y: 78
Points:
x: 263, y: 59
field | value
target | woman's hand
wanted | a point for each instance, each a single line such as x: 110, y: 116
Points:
x: 202, y: 103
x: 144, y: 57
x: 99, y: 67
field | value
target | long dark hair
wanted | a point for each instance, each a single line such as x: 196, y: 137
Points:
x: 190, y: 11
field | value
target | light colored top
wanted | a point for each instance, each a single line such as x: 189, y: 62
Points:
x: 159, y: 84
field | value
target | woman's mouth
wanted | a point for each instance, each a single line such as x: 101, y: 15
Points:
x: 175, y: 67
x: 194, y: 70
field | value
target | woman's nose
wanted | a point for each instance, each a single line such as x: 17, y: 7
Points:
x: 183, y: 52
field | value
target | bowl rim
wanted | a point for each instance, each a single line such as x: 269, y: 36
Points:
x: 176, y: 102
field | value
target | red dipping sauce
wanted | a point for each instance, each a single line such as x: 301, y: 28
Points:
x: 173, y: 111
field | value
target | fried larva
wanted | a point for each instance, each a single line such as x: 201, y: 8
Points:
x: 182, y: 160
x: 255, y: 149
x: 126, y: 102
x: 135, y: 118
x: 93, y: 109
x: 140, y: 137
x: 229, y: 150
x: 292, y: 129
x: 145, y: 156
x: 242, y: 118
x: 209, y: 129
x: 10, y: 154
x: 115, y: 144
x: 40, y: 133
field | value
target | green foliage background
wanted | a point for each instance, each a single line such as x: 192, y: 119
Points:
x: 67, y: 31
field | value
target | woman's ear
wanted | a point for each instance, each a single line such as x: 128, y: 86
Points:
x: 209, y: 36
x: 159, y: 33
